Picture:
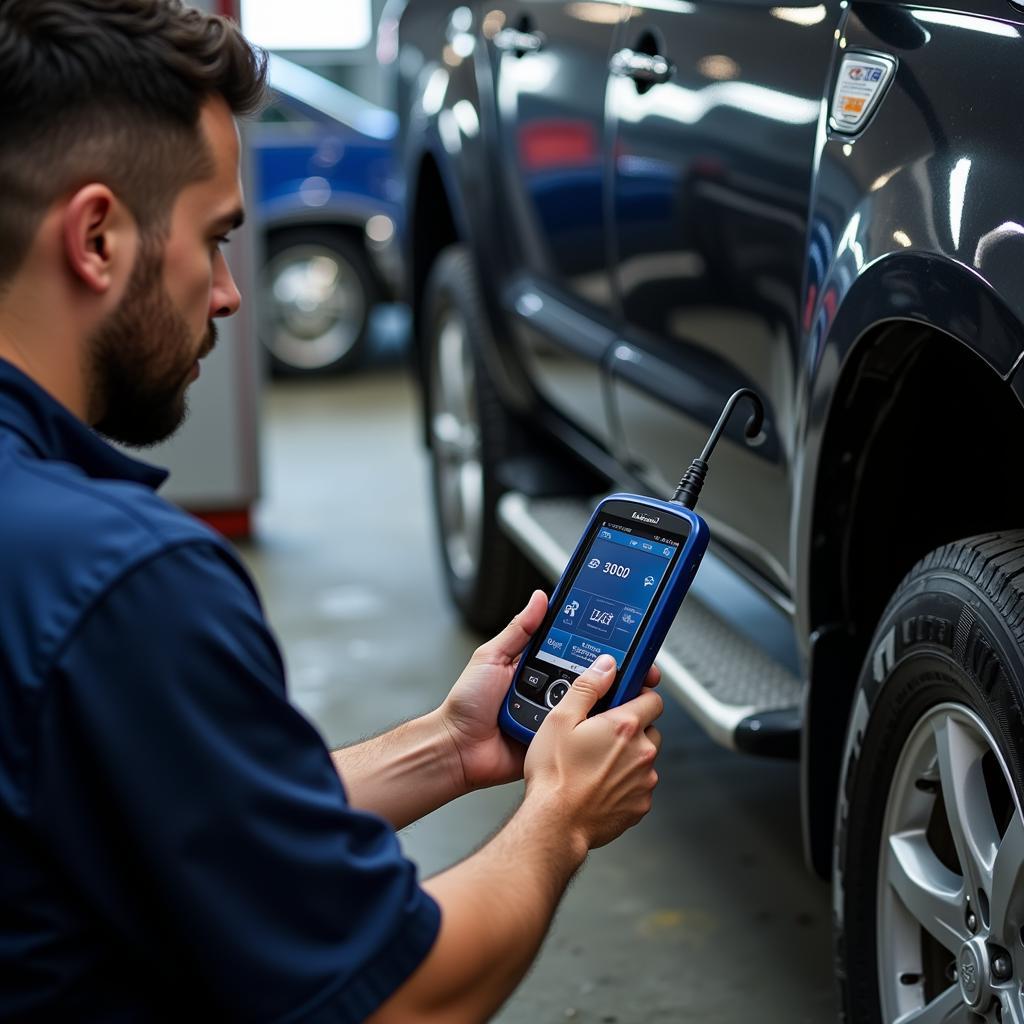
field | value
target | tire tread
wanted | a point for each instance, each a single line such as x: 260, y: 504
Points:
x: 992, y: 561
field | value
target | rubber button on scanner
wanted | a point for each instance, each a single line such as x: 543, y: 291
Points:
x: 556, y: 691
x: 532, y: 682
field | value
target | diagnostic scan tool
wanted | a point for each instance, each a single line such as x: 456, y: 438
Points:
x: 619, y: 593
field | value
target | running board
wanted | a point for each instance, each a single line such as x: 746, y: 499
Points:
x: 742, y: 697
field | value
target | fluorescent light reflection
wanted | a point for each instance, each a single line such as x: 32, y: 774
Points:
x: 800, y: 15
x: 433, y: 94
x: 466, y: 118
x: 669, y: 6
x: 883, y: 179
x: 957, y: 195
x: 678, y: 103
x: 968, y: 22
x: 849, y: 242
x: 532, y: 74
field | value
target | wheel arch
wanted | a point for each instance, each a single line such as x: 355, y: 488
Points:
x: 898, y: 459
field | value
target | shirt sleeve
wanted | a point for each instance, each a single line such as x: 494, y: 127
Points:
x: 200, y: 814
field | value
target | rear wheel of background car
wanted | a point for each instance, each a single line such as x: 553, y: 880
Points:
x: 470, y: 433
x: 929, y: 855
x: 316, y: 293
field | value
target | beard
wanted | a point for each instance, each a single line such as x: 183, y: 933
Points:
x: 142, y: 359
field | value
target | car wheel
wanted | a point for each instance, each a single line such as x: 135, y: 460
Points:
x: 470, y: 433
x: 317, y: 290
x: 929, y: 854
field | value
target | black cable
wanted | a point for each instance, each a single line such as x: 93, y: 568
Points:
x: 692, y: 481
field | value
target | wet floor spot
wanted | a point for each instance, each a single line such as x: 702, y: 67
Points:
x: 348, y: 603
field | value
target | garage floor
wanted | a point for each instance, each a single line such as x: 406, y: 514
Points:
x: 704, y: 912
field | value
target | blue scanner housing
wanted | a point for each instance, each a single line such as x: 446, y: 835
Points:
x: 619, y: 594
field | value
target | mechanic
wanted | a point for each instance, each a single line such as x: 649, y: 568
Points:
x: 175, y: 840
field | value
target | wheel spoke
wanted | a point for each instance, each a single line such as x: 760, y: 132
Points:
x: 471, y: 489
x: 949, y: 1008
x: 452, y: 381
x: 455, y: 435
x: 928, y: 889
x: 445, y: 435
x: 966, y: 798
x: 1013, y: 1010
x: 454, y: 441
x: 1008, y: 883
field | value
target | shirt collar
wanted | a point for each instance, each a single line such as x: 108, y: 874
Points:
x: 54, y: 433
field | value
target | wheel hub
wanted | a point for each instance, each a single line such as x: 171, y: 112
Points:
x: 974, y: 973
x: 313, y: 307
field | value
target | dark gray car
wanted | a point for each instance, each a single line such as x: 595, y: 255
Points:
x: 618, y: 214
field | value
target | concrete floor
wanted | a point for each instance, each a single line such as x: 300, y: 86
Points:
x: 704, y: 912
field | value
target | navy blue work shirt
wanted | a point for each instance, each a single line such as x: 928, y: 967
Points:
x: 174, y: 840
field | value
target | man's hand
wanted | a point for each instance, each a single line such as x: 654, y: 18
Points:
x: 470, y: 711
x: 599, y: 770
x: 587, y: 780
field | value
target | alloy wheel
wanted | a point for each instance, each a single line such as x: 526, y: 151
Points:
x: 314, y: 307
x: 455, y: 439
x: 951, y: 879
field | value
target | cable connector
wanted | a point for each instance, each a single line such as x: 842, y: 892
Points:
x: 690, y: 485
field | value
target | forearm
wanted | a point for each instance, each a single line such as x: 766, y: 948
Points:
x: 404, y: 773
x: 496, y: 908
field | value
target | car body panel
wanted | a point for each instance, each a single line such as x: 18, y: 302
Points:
x: 548, y: 108
x: 712, y: 174
x: 905, y: 225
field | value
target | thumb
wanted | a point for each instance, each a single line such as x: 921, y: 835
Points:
x: 588, y: 689
x: 509, y: 643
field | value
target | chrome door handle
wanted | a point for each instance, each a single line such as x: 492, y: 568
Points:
x: 511, y: 39
x: 645, y: 68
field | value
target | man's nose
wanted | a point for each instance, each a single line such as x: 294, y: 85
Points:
x: 225, y: 299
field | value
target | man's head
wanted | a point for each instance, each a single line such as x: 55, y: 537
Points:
x: 118, y: 183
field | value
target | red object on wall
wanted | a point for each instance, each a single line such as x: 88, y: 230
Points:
x: 229, y: 8
x: 233, y: 523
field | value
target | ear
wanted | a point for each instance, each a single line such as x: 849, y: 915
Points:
x: 100, y: 238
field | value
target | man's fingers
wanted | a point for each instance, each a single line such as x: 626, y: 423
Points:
x: 654, y: 735
x: 509, y: 643
x: 653, y: 676
x: 588, y: 689
x: 647, y: 707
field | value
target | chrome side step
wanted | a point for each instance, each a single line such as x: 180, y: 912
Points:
x: 742, y: 697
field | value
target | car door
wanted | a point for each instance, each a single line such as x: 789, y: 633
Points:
x: 715, y: 106
x: 550, y: 67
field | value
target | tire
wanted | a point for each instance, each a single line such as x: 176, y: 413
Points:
x: 928, y: 872
x: 316, y: 293
x: 471, y: 432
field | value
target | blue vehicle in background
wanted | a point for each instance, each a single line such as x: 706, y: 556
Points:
x: 326, y: 203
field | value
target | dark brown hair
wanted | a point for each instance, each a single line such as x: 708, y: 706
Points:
x: 110, y: 91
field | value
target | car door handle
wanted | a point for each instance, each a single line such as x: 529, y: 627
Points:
x: 644, y: 68
x: 517, y: 42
